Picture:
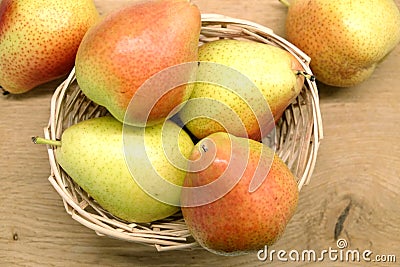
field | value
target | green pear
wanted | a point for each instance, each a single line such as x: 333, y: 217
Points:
x: 272, y: 70
x: 345, y: 39
x: 131, y: 45
x: 241, y: 199
x: 39, y: 40
x: 104, y: 157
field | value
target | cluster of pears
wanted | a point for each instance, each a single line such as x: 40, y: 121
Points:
x: 185, y: 127
x: 186, y: 122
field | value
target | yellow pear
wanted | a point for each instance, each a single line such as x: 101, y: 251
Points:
x: 126, y: 169
x: 345, y: 39
x: 256, y: 73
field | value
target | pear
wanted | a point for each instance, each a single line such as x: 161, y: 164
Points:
x: 131, y: 45
x: 238, y: 195
x: 345, y: 39
x: 39, y: 40
x: 104, y: 157
x: 223, y: 98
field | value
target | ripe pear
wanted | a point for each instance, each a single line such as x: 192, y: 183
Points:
x: 273, y: 72
x: 96, y: 155
x: 345, y: 39
x: 131, y: 45
x: 231, y: 216
x: 39, y: 40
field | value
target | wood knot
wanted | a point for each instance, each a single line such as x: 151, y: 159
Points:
x: 15, y: 237
x: 340, y: 221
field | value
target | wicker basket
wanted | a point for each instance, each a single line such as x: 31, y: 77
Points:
x: 298, y: 135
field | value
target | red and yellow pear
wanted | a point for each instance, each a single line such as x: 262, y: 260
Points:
x: 238, y: 195
x: 131, y: 45
x: 345, y: 39
x: 39, y: 40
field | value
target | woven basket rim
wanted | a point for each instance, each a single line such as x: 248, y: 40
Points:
x: 175, y: 236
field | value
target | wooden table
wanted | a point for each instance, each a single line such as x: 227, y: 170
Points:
x: 355, y: 183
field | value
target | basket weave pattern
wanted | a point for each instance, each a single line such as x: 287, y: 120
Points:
x: 298, y: 134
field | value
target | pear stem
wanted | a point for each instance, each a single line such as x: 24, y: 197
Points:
x: 306, y: 75
x: 285, y: 2
x: 43, y: 141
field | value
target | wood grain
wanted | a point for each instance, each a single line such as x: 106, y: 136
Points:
x: 354, y: 193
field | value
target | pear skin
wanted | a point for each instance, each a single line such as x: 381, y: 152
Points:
x: 271, y: 69
x: 346, y: 40
x: 92, y: 153
x: 131, y: 45
x: 39, y: 40
x: 238, y: 220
